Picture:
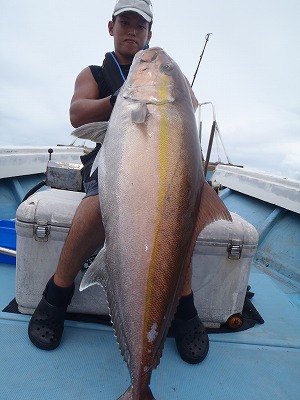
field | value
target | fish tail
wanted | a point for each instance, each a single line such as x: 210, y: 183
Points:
x: 129, y: 395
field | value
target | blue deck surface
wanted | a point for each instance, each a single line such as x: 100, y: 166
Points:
x: 260, y: 363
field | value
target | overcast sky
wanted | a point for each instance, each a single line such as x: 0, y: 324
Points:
x: 250, y: 69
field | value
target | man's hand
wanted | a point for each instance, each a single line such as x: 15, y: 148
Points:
x: 113, y: 97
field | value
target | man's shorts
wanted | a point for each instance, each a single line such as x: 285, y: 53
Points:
x: 90, y: 183
x: 91, y: 188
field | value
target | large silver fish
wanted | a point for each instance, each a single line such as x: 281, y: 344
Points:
x: 154, y: 201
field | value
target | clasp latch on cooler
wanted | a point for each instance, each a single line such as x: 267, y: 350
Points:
x: 234, y: 249
x: 41, y: 233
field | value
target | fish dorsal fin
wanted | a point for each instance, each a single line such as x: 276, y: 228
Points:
x: 139, y: 113
x: 96, y: 273
x: 211, y: 209
x: 94, y: 131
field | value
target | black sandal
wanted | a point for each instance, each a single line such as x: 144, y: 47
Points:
x: 191, y: 339
x: 47, y: 322
x: 47, y: 325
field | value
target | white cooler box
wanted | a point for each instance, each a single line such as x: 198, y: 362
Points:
x: 221, y: 261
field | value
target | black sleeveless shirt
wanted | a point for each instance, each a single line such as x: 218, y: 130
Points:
x: 109, y: 79
x: 108, y: 76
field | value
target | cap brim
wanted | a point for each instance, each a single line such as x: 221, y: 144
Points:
x: 141, y: 13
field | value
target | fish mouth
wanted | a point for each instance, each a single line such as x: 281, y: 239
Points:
x: 156, y: 54
x: 152, y: 82
x: 150, y: 55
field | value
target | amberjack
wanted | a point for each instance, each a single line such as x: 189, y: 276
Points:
x: 154, y: 202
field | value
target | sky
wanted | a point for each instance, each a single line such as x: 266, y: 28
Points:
x: 250, y: 70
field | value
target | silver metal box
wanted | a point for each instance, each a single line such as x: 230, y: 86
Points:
x: 62, y: 175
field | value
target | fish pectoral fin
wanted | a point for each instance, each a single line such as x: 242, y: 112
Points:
x: 95, y: 163
x: 139, y: 113
x: 94, y: 131
x: 96, y: 273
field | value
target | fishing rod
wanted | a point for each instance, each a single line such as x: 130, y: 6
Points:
x: 206, y: 40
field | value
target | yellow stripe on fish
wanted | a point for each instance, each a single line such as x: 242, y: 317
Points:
x: 151, y: 332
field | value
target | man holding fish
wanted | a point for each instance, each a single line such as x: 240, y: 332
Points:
x: 96, y: 91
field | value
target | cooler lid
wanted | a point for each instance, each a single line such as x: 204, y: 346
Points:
x: 50, y: 207
x: 222, y: 232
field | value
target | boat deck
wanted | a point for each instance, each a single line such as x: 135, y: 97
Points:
x: 262, y: 362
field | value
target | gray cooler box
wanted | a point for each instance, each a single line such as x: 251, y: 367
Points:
x: 221, y: 266
x: 221, y: 261
x: 42, y: 225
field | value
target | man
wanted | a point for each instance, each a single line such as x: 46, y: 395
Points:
x: 93, y: 100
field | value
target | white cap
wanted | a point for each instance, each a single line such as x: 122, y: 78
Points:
x: 142, y: 7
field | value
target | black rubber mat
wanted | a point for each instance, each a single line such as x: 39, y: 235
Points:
x: 249, y: 314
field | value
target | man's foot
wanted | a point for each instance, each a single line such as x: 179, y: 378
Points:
x: 191, y: 339
x: 47, y: 322
x: 190, y: 335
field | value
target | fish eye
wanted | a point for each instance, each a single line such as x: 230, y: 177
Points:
x: 167, y: 68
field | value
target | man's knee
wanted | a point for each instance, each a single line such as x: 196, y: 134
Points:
x: 91, y: 204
